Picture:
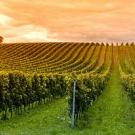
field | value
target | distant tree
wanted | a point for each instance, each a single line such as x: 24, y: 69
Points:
x: 132, y: 43
x: 1, y: 39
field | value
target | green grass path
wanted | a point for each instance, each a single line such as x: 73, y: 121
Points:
x: 112, y: 114
x: 46, y: 119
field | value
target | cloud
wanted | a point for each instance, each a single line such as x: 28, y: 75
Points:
x: 67, y: 20
x: 27, y: 33
x: 4, y: 20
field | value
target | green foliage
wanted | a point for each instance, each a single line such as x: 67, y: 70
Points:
x: 88, y: 88
x: 128, y: 82
x: 17, y: 91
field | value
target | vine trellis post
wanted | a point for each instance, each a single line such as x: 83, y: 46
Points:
x: 73, y: 105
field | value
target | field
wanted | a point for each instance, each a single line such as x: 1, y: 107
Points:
x: 37, y: 81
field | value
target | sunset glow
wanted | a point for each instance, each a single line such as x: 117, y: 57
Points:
x: 67, y: 20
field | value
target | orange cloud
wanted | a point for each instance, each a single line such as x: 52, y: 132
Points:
x: 67, y: 20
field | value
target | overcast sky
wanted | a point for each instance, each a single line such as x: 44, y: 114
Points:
x: 67, y: 20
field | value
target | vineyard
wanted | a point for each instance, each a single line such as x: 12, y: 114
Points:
x: 35, y: 74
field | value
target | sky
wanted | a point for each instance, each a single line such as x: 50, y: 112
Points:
x: 67, y: 20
